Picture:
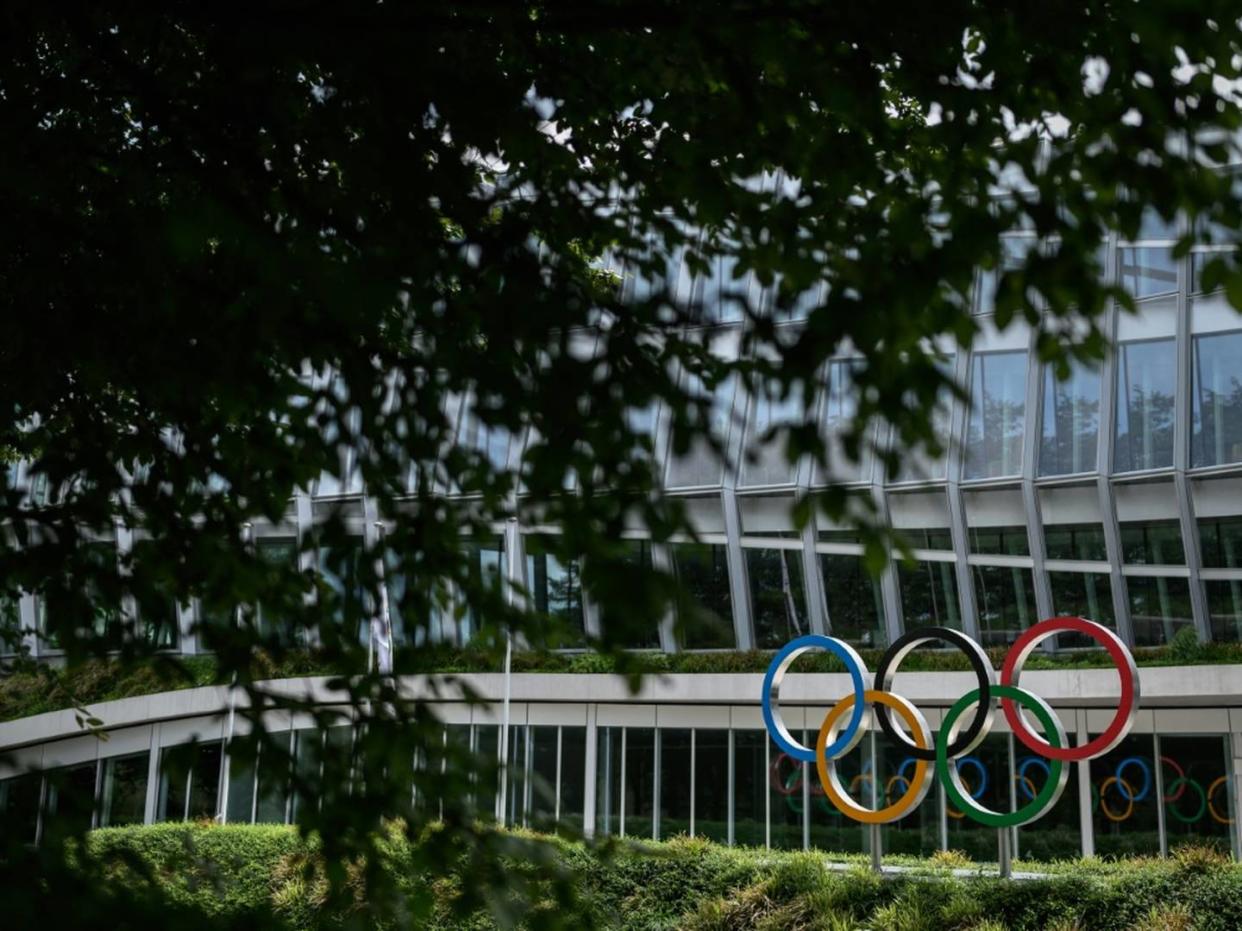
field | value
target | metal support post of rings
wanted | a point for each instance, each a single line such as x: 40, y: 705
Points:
x: 950, y: 747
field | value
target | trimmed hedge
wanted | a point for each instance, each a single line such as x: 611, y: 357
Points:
x: 232, y: 873
x: 34, y: 689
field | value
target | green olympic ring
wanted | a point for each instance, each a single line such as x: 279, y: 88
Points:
x: 1054, y: 785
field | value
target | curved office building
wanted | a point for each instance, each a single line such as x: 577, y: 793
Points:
x: 1115, y: 495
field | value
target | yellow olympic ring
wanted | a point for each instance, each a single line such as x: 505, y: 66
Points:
x: 1129, y: 796
x: 953, y: 812
x: 888, y: 786
x: 917, y: 785
x: 1220, y: 781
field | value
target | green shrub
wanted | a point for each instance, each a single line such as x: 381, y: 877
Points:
x: 233, y: 873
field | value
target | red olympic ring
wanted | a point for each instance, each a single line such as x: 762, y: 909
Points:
x: 1180, y: 780
x: 1127, y: 707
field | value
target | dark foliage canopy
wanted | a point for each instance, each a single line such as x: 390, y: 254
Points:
x: 246, y: 244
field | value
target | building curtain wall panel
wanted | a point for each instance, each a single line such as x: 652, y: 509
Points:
x: 1083, y: 594
x: 929, y: 594
x: 555, y: 588
x: 839, y: 406
x: 705, y: 610
x: 1224, y: 599
x: 1057, y: 835
x: 855, y: 601
x: 1125, y: 800
x: 123, y: 791
x: 1159, y: 608
x: 1069, y: 421
x: 1005, y: 600
x: 1146, y: 389
x: 750, y: 788
x: 702, y: 465
x: 777, y: 595
x: 676, y: 774
x: 766, y: 461
x: 788, y: 790
x: 997, y: 421
x: 711, y: 784
x: 1216, y: 405
x: 1198, y: 800
x: 1075, y: 542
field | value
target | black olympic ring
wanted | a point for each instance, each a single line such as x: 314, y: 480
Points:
x: 980, y: 725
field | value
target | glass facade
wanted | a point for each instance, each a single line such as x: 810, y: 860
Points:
x: 1146, y: 387
x: 555, y: 588
x: 1120, y: 415
x: 705, y: 611
x: 777, y: 596
x: 997, y: 415
x: 1216, y: 400
x: 1069, y: 421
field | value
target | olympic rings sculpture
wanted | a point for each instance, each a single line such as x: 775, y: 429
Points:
x: 945, y: 752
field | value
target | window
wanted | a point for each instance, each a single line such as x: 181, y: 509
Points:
x: 1075, y: 541
x: 1216, y: 406
x: 705, y: 608
x: 916, y: 465
x: 487, y: 567
x: 1224, y: 600
x: 189, y: 786
x: 1220, y: 542
x: 840, y: 405
x: 10, y: 624
x: 750, y: 788
x: 625, y: 781
x: 855, y: 605
x: 929, y: 594
x: 123, y: 792
x: 928, y: 538
x: 555, y: 588
x: 491, y: 441
x: 1159, y: 608
x: 777, y: 596
x: 701, y: 464
x: 1146, y: 387
x: 1014, y: 250
x: 340, y: 567
x: 788, y: 784
x: 571, y: 786
x: 997, y: 415
x: 999, y: 541
x: 711, y: 784
x: 1081, y: 594
x: 721, y: 294
x: 675, y: 773
x: 1198, y: 801
x: 69, y: 803
x: 1147, y: 270
x: 765, y: 462
x: 1069, y: 421
x: 19, y: 807
x: 629, y: 605
x: 277, y: 552
x: 1006, y: 602
x: 1125, y: 800
x: 1152, y: 542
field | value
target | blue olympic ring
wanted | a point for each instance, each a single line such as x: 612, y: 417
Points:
x: 905, y: 764
x: 1124, y: 789
x: 977, y: 791
x: 1023, y: 781
x: 771, y: 695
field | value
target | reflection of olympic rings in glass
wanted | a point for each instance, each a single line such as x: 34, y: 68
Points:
x: 949, y: 750
x: 1201, y: 802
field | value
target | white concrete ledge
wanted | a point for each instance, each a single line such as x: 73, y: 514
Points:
x: 1162, y: 687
